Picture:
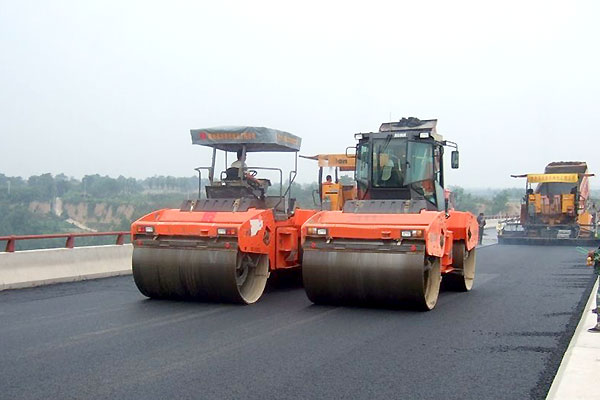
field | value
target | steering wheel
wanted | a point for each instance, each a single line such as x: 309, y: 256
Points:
x: 254, y: 184
x: 252, y: 172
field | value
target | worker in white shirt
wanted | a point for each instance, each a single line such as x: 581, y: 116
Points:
x: 241, y: 163
x: 241, y: 160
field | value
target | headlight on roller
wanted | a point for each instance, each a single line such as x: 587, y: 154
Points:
x: 316, y: 231
x: 145, y: 229
x: 414, y: 233
x: 226, y: 231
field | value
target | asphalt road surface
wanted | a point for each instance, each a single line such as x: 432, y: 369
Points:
x: 103, y: 340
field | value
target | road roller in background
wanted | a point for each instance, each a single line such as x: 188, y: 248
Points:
x: 332, y: 195
x: 555, y: 209
x: 222, y: 248
x: 394, y: 243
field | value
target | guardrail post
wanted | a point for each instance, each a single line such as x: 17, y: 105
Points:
x: 120, y: 238
x: 10, y: 245
x: 70, y: 242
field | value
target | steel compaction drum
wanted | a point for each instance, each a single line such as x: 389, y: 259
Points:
x: 206, y: 275
x: 363, y: 278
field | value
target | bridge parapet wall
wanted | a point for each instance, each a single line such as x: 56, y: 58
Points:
x: 42, y: 267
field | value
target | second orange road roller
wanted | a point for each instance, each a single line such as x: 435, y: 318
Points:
x: 223, y: 247
x: 395, y: 243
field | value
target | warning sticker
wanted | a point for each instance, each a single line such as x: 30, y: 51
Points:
x: 255, y: 226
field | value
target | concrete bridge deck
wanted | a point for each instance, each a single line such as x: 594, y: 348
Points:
x: 102, y: 339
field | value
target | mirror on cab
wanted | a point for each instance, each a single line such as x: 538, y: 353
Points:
x: 454, y: 159
x: 351, y: 151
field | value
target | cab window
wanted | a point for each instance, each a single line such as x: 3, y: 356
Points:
x: 362, y: 162
x: 389, y: 158
x: 420, y: 162
x: 421, y: 170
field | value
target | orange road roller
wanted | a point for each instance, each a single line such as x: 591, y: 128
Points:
x: 223, y: 247
x: 394, y: 244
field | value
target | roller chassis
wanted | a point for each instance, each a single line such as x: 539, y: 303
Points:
x: 184, y: 256
x: 364, y: 259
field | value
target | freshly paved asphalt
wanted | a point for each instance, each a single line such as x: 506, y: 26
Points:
x: 103, y: 340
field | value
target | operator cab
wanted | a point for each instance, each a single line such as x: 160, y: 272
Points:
x: 403, y: 161
x: 238, y: 181
x: 237, y: 185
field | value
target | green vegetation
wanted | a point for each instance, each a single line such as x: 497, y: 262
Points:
x: 45, y: 204
x: 20, y: 198
x: 489, y: 201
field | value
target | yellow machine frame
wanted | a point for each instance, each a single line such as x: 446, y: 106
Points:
x: 334, y: 194
x: 542, y: 205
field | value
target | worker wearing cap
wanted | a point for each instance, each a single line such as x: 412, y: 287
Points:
x: 594, y: 259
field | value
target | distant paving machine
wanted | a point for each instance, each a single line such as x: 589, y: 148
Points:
x: 223, y: 248
x: 392, y: 245
x: 556, y: 211
x: 333, y: 195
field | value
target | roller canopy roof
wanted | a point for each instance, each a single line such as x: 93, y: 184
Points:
x: 232, y: 138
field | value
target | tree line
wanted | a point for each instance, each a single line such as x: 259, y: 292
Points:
x: 16, y: 193
x: 46, y: 187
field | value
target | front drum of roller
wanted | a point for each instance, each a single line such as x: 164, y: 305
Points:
x: 199, y: 274
x: 371, y: 279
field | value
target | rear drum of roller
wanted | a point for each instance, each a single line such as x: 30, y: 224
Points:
x: 462, y: 278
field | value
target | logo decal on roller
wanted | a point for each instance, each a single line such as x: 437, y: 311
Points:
x: 255, y: 226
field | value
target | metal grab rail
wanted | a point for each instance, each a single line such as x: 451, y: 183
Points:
x: 70, y: 242
x: 211, y: 172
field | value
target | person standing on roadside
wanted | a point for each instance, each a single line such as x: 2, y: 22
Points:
x: 594, y: 260
x: 481, y: 223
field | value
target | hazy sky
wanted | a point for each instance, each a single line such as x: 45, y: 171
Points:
x: 113, y: 87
